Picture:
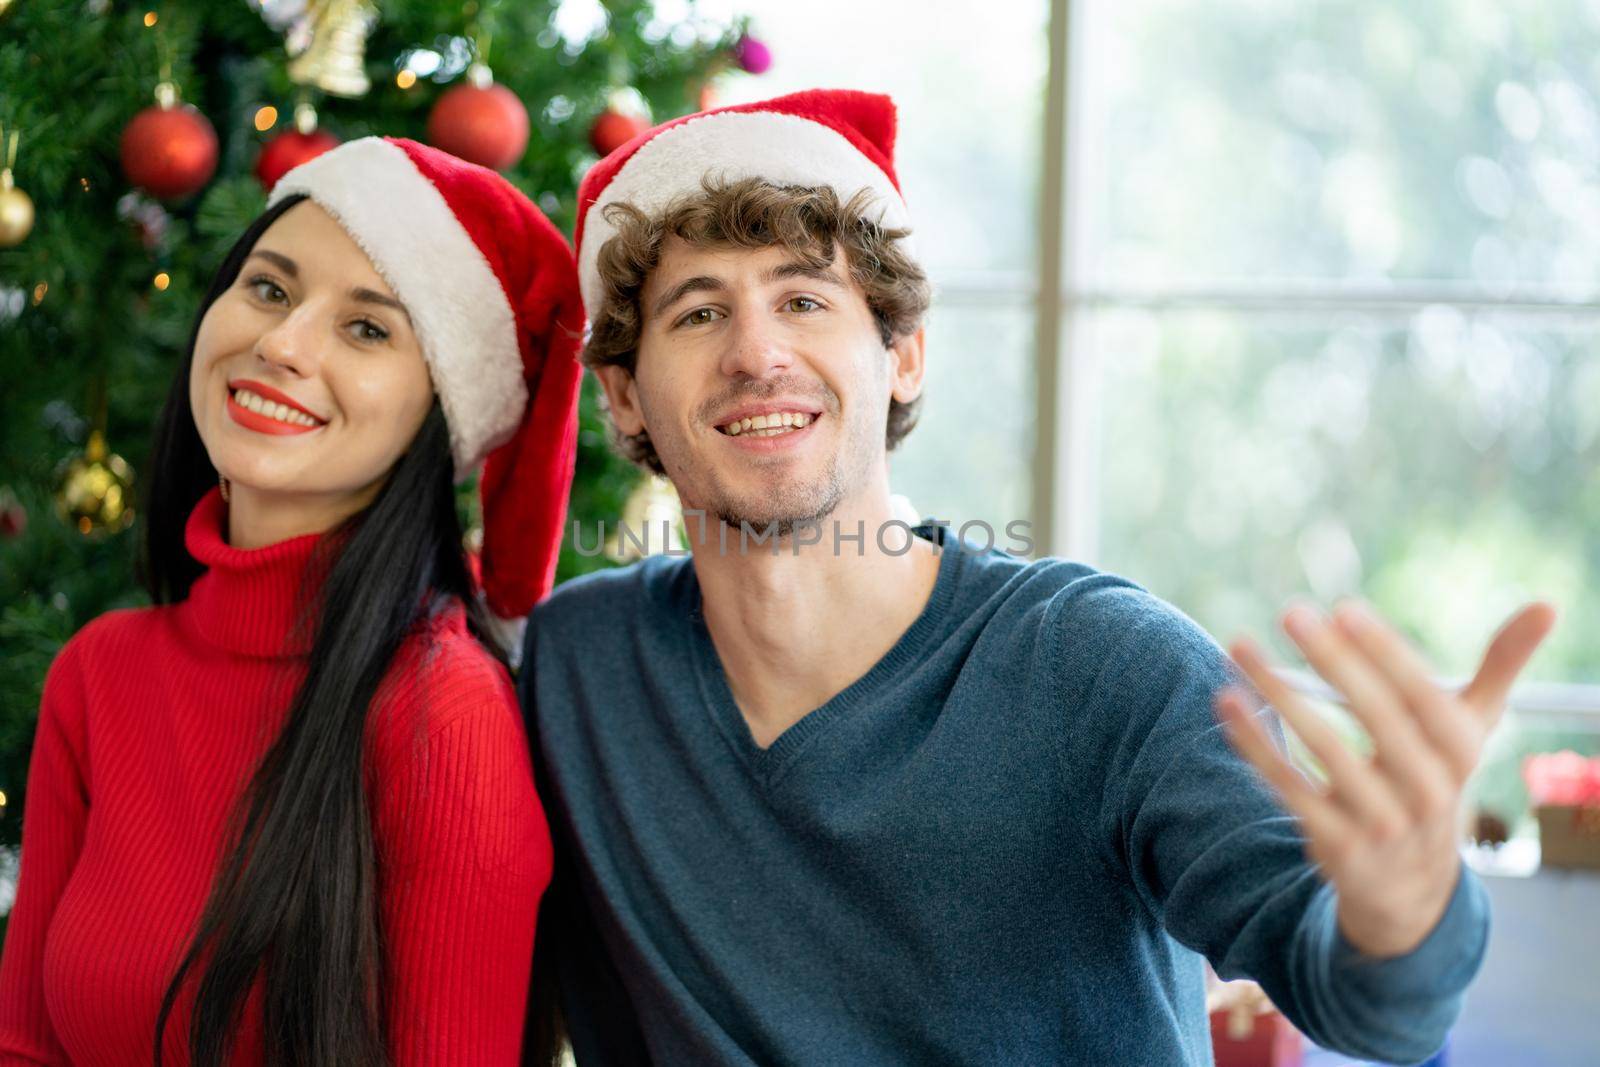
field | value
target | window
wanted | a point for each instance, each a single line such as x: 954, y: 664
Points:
x: 1331, y: 277
x: 1337, y: 274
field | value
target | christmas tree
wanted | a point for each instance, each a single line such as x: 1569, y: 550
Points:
x: 143, y: 140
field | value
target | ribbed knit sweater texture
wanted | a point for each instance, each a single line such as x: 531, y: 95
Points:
x: 153, y: 721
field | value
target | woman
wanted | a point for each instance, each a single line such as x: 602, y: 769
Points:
x: 287, y: 815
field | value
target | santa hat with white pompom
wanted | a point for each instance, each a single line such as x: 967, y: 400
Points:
x: 492, y: 291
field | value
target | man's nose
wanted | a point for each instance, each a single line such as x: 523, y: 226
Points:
x: 755, y: 348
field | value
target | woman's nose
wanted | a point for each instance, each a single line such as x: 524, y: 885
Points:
x: 288, y: 345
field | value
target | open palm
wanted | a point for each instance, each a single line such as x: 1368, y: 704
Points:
x: 1382, y: 828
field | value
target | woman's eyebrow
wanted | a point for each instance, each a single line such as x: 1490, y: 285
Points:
x: 370, y: 297
x: 278, y: 259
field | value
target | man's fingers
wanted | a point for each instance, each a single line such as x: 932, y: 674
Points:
x: 1320, y: 816
x: 1405, y: 753
x: 1355, y: 784
x: 1457, y: 740
x: 1508, y: 653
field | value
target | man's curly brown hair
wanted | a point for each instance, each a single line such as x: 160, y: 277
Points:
x: 808, y: 221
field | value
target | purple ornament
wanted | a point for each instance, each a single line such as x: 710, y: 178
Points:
x: 752, y: 55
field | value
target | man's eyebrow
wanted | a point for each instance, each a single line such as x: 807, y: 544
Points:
x: 370, y: 297
x: 279, y: 260
x: 796, y: 269
x: 700, y: 283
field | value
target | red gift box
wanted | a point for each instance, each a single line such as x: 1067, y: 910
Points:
x: 1565, y: 790
x: 1569, y: 836
x: 1241, y: 1038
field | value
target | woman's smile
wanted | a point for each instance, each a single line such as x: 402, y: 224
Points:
x: 264, y: 409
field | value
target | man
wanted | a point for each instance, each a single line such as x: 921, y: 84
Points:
x: 833, y: 794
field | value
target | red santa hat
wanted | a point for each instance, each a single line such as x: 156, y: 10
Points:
x: 492, y: 293
x: 821, y: 137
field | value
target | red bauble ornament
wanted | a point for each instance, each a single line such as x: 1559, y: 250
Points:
x: 13, y: 521
x: 287, y: 151
x: 485, y: 124
x: 613, y: 129
x: 169, y: 152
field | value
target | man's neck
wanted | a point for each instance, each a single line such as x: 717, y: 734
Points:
x: 794, y: 629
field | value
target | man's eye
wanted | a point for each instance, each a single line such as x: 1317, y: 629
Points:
x: 700, y: 316
x: 803, y: 303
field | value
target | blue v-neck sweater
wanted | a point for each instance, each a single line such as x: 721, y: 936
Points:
x: 1010, y: 842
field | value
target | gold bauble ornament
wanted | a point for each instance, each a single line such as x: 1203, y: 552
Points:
x: 16, y: 213
x: 334, y: 60
x: 16, y: 209
x: 652, y: 522
x: 5, y: 8
x: 94, y: 491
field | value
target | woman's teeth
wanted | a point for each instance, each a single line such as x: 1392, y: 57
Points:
x: 778, y: 422
x: 262, y: 406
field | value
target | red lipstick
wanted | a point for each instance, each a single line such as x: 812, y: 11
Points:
x: 267, y: 392
x: 254, y: 420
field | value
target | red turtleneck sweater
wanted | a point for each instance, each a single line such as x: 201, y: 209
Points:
x: 152, y: 722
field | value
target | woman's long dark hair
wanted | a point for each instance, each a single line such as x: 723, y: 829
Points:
x: 295, y: 900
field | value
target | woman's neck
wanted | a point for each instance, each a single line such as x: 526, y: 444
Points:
x: 258, y: 518
x: 251, y: 601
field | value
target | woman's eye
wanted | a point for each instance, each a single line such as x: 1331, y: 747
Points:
x: 802, y: 304
x: 268, y: 291
x: 700, y: 316
x: 367, y: 330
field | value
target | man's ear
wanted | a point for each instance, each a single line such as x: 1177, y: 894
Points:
x: 906, y: 373
x: 622, y: 399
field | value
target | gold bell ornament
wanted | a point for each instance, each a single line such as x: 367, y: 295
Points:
x: 333, y: 58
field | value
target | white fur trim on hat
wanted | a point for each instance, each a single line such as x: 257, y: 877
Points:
x: 784, y: 149
x: 456, y: 303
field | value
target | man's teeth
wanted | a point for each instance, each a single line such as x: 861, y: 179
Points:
x: 769, y: 425
x: 262, y: 406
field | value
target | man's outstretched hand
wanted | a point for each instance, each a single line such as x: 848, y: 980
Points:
x: 1383, y: 828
